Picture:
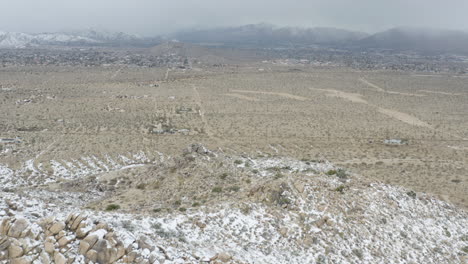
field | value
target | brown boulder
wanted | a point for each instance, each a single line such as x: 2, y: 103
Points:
x: 57, y: 227
x: 17, y: 228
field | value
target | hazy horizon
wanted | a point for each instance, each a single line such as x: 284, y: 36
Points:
x: 151, y: 18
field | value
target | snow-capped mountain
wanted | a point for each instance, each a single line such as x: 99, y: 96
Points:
x: 14, y: 39
x: 86, y: 37
x: 22, y: 40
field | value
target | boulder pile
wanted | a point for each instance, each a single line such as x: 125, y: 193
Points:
x: 74, y: 240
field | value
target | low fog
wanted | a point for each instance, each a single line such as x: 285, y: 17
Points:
x: 153, y: 17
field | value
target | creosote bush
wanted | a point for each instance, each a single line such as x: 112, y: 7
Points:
x: 112, y: 207
x: 234, y: 188
x: 223, y: 176
x: 340, y: 189
x: 411, y: 194
x: 217, y: 189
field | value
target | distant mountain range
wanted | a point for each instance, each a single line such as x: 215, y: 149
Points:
x: 265, y: 34
x: 417, y: 39
x: 75, y: 38
x: 396, y: 39
x: 260, y: 35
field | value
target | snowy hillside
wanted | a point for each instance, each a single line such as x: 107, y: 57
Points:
x: 87, y: 37
x: 290, y: 211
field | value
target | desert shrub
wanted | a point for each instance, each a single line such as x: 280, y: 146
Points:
x: 248, y: 181
x: 411, y: 194
x: 195, y: 204
x: 112, y: 207
x: 223, y: 176
x: 217, y: 189
x: 284, y: 201
x: 340, y: 173
x: 182, y: 209
x: 141, y: 186
x: 286, y: 168
x: 274, y: 169
x: 246, y: 209
x: 178, y: 203
x: 234, y: 188
x: 156, y: 225
x: 238, y: 162
x: 157, y: 210
x: 330, y: 172
x: 340, y: 189
x: 278, y: 176
x: 447, y: 233
x: 255, y: 171
x: 279, y: 198
x: 465, y: 249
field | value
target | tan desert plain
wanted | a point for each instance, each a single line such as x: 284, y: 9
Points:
x: 403, y: 129
x: 156, y: 143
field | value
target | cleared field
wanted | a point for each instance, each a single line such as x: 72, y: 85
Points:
x: 89, y: 118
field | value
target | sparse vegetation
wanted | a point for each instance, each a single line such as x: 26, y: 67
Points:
x: 141, y: 186
x: 224, y: 176
x: 217, y: 189
x: 411, y: 194
x: 278, y: 176
x: 340, y: 173
x: 112, y: 207
x: 340, y: 188
x: 234, y: 189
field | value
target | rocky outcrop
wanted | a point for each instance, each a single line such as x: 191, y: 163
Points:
x: 74, y: 240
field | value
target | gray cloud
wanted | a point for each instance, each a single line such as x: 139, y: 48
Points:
x: 151, y: 17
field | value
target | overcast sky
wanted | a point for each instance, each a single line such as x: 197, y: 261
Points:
x: 152, y: 17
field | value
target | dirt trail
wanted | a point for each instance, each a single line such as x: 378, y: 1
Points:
x: 49, y: 147
x: 403, y: 117
x: 380, y: 89
x: 116, y: 73
x: 240, y: 96
x: 167, y: 75
x: 363, y: 80
x: 353, y: 97
x: 357, y: 98
x: 438, y: 92
x: 285, y: 95
x: 201, y: 112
